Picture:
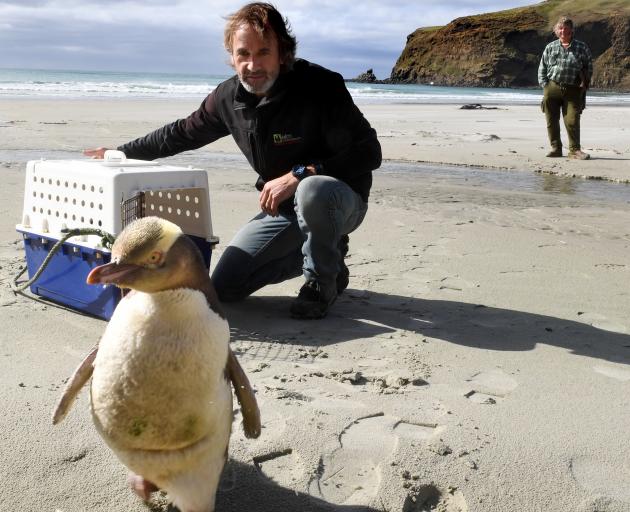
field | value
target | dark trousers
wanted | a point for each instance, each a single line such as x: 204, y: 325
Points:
x: 568, y: 100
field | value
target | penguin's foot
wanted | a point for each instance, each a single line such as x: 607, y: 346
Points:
x: 141, y: 487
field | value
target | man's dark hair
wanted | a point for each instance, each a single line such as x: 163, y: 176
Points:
x: 265, y: 19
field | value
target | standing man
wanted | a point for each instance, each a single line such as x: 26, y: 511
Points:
x: 313, y: 150
x: 565, y: 72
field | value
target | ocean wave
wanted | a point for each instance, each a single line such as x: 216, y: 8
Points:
x: 83, y: 84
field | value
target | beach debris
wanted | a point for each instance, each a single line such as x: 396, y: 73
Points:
x: 260, y: 368
x: 476, y: 106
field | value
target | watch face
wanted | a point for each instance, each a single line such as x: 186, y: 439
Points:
x: 299, y: 171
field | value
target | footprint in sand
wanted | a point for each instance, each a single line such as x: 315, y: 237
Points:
x: 490, y: 387
x: 350, y: 475
x: 283, y: 467
x: 455, y: 283
x: 429, y: 497
x: 607, y: 476
x: 601, y: 322
x: 619, y: 374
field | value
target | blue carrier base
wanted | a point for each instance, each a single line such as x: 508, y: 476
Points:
x: 63, y: 280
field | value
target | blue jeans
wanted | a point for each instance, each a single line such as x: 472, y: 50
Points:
x: 300, y: 240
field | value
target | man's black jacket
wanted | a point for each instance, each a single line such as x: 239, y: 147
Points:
x: 308, y: 117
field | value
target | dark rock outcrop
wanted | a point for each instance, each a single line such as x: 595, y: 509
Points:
x: 503, y: 49
x: 368, y: 77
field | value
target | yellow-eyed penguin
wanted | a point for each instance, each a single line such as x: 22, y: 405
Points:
x: 160, y: 392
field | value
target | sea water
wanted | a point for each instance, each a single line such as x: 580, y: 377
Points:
x: 23, y: 83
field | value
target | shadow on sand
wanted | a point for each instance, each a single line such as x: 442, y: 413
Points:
x: 363, y: 314
x: 244, y: 488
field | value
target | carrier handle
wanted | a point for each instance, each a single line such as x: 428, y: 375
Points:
x: 113, y: 156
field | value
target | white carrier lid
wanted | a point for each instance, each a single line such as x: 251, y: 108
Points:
x: 89, y: 193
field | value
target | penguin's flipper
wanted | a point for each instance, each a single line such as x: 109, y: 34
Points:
x: 80, y: 376
x: 245, y: 396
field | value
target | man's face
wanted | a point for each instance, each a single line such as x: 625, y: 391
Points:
x: 565, y: 33
x: 256, y: 59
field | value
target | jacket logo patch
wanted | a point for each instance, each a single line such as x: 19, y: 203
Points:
x: 282, y: 139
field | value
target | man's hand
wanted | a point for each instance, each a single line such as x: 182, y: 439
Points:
x: 97, y: 153
x: 276, y: 191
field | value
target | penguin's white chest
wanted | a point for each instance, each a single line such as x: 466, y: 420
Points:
x: 159, y: 379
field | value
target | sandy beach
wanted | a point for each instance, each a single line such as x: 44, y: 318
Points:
x: 478, y: 362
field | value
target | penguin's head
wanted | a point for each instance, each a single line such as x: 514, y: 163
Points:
x: 151, y: 255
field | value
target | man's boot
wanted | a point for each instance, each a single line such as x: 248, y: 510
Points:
x: 313, y: 301
x: 555, y: 152
x: 578, y: 154
x: 343, y: 277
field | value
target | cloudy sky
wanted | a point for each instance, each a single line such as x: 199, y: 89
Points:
x: 186, y: 35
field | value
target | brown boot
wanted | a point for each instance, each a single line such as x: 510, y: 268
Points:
x: 555, y: 153
x: 578, y: 154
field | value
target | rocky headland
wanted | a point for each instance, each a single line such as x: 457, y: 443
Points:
x: 503, y: 49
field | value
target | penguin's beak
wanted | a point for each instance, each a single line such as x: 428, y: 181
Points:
x: 111, y: 273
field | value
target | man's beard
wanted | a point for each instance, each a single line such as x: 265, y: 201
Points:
x: 259, y: 88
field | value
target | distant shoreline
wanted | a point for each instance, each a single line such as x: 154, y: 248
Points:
x: 95, y: 86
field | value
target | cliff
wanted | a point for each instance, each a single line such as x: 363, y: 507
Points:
x: 503, y: 49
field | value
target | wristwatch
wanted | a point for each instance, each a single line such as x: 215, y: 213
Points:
x: 301, y: 171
